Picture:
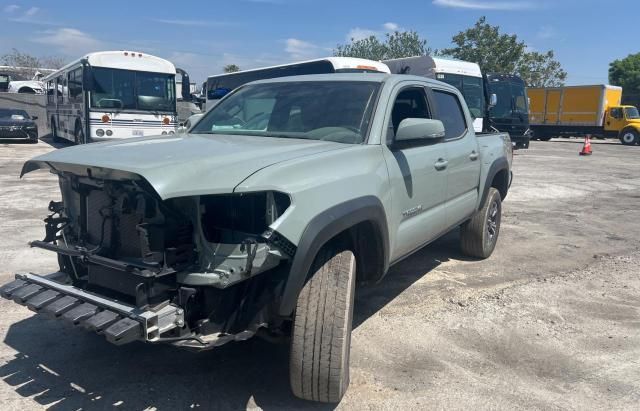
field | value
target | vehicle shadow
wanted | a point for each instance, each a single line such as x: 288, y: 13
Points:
x: 63, y: 368
x: 48, y: 139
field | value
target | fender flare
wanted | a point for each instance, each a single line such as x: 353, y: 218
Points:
x: 323, y: 228
x: 499, y: 165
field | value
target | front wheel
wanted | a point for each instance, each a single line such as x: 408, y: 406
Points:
x: 629, y: 137
x: 479, y: 235
x: 79, y: 134
x: 321, y: 336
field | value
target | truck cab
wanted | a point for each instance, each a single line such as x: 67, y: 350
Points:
x: 511, y: 111
x: 623, y: 121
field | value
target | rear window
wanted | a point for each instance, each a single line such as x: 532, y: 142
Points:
x: 449, y: 111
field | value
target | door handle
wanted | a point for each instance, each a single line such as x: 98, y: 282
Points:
x: 473, y: 156
x: 441, y: 164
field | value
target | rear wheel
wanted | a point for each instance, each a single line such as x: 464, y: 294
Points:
x: 79, y: 134
x: 321, y: 336
x: 479, y: 235
x: 545, y: 138
x: 54, y: 132
x: 629, y: 137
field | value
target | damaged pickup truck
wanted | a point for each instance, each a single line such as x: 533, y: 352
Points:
x: 262, y: 219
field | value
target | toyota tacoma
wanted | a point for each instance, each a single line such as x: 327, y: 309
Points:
x: 265, y: 215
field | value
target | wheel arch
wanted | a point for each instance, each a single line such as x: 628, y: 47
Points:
x: 351, y: 220
x: 498, y: 177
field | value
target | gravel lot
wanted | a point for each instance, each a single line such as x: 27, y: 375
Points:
x: 551, y: 320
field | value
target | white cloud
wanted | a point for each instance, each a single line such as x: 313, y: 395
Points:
x: 358, y: 33
x: 31, y: 12
x: 546, y: 32
x: 302, y: 50
x: 485, y: 5
x: 390, y: 26
x: 69, y: 41
x: 32, y: 15
x: 11, y: 8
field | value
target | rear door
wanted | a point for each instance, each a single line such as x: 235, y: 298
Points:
x: 552, y: 106
x: 418, y: 175
x: 462, y: 154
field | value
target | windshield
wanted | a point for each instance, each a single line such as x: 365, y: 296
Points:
x: 471, y: 89
x: 317, y: 110
x: 14, y: 114
x: 133, y: 90
x: 631, y: 113
x: 502, y: 90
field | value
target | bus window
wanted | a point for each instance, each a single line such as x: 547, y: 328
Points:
x: 75, y: 85
x: 114, y: 89
x: 474, y: 95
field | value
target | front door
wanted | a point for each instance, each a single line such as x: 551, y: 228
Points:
x: 614, y: 120
x: 418, y: 178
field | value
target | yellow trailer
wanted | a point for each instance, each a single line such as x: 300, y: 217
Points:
x: 581, y: 110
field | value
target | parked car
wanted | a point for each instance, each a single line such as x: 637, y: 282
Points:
x: 17, y: 124
x: 264, y: 217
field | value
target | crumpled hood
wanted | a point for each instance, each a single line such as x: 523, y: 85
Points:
x: 182, y: 165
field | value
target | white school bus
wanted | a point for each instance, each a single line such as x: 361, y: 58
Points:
x: 112, y: 95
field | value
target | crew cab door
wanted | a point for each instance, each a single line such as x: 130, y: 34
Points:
x: 462, y: 156
x: 417, y: 174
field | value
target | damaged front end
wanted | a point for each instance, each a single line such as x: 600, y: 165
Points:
x: 194, y: 271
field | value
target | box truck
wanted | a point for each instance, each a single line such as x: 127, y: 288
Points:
x: 582, y: 110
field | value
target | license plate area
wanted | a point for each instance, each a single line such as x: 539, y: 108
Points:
x: 139, y: 133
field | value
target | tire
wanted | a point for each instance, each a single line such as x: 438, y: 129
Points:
x: 629, y: 137
x: 544, y: 138
x: 321, y: 336
x: 54, y: 132
x: 479, y: 235
x: 78, y: 134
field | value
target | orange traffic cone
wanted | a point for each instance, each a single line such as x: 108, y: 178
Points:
x: 586, y: 147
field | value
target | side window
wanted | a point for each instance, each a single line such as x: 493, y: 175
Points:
x: 410, y: 103
x: 450, y: 113
x: 60, y: 88
x: 616, y: 113
x: 75, y: 85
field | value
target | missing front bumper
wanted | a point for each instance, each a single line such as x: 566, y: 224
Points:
x: 119, y: 323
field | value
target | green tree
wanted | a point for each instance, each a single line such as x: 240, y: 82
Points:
x: 231, y: 68
x: 626, y: 73
x: 541, y: 70
x: 496, y: 52
x: 394, y: 45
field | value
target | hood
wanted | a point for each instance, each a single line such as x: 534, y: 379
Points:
x: 13, y: 122
x: 181, y: 165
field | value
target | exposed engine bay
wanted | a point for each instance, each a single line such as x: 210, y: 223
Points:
x: 213, y: 259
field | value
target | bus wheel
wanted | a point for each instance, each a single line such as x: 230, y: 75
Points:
x: 79, y: 134
x: 54, y: 132
x: 629, y: 137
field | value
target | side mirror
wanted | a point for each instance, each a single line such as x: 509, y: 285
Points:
x: 419, y: 129
x: 34, y: 117
x: 87, y: 79
x: 493, y: 100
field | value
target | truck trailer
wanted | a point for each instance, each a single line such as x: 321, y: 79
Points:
x: 582, y: 110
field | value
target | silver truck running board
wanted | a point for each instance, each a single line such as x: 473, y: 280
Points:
x: 120, y: 323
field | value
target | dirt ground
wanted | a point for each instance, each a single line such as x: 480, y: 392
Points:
x: 550, y: 321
